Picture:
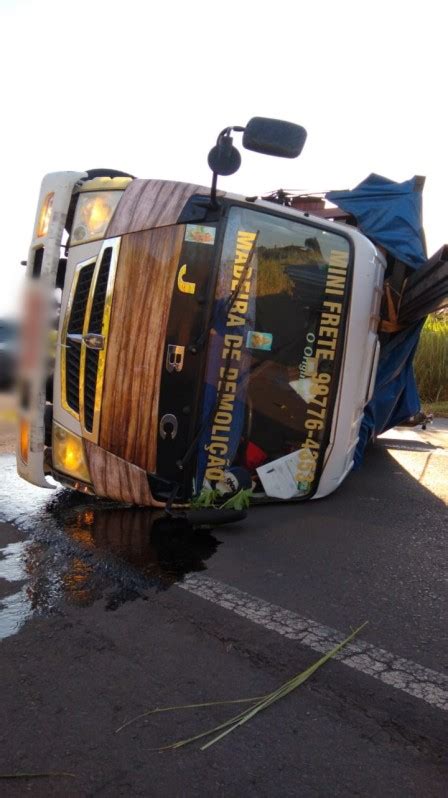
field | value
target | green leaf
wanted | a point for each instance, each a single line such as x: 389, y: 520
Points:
x: 209, y: 497
x: 239, y: 501
x: 206, y: 498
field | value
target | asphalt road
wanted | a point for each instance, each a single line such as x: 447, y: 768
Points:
x: 107, y: 612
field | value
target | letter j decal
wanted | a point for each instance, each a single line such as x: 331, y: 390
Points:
x: 183, y: 285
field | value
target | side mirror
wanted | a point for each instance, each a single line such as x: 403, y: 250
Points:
x: 224, y: 158
x: 274, y: 137
x: 263, y: 135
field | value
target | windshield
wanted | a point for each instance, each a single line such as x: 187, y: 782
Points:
x: 273, y: 352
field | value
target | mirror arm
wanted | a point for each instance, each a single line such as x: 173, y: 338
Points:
x: 227, y: 131
x: 225, y: 134
x: 213, y: 200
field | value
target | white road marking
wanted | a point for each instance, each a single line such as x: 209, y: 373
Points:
x: 403, y: 674
x: 412, y: 447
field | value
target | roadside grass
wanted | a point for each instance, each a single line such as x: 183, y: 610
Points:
x: 431, y: 365
x: 438, y: 409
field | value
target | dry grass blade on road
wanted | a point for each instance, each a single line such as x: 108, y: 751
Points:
x: 37, y: 775
x: 156, y: 710
x: 238, y: 720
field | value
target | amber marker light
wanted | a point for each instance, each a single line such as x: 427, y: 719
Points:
x: 45, y: 215
x: 68, y: 454
x: 24, y: 439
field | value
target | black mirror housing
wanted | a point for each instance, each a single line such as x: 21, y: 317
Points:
x: 274, y: 137
x: 224, y: 158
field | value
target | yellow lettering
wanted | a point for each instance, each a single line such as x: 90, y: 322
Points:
x: 236, y: 353
x: 239, y: 307
x: 227, y: 401
x: 338, y: 259
x: 330, y: 332
x: 325, y: 354
x: 330, y: 320
x: 233, y: 340
x: 213, y: 474
x: 244, y: 288
x: 229, y: 374
x: 240, y: 257
x: 238, y: 271
x: 219, y: 428
x: 310, y: 444
x: 335, y: 284
x: 223, y: 418
x: 235, y: 321
x: 329, y: 344
x: 218, y: 448
x: 245, y: 239
x: 184, y: 286
x: 334, y: 307
x: 231, y: 348
x: 215, y: 461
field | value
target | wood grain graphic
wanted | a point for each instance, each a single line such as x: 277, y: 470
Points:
x: 146, y: 272
x: 116, y: 479
x: 151, y: 203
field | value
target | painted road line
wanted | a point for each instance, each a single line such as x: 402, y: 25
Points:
x: 419, y: 449
x: 403, y: 674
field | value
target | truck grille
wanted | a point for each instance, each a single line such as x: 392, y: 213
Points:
x: 95, y: 325
x: 90, y: 375
x: 88, y: 313
x: 75, y: 327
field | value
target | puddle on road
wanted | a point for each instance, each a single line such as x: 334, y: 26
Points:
x: 79, y: 549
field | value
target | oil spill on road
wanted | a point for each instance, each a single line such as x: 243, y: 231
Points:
x: 79, y: 549
x: 135, y: 542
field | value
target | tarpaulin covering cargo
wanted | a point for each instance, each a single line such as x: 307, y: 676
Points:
x: 390, y: 214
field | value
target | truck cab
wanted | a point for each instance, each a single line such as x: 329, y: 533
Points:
x: 198, y: 337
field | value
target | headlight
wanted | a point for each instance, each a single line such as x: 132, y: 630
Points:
x: 45, y: 215
x: 93, y: 214
x: 68, y: 454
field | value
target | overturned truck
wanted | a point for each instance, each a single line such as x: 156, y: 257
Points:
x: 203, y: 341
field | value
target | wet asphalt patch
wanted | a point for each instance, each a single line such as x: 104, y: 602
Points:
x: 79, y: 549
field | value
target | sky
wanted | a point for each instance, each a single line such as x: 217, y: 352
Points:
x: 146, y: 89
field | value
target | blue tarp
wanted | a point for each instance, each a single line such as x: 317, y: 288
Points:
x: 390, y: 214
x: 395, y: 397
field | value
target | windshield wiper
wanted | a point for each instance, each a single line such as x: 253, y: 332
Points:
x: 225, y: 306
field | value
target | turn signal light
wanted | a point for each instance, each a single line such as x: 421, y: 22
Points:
x: 24, y: 439
x: 45, y: 216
